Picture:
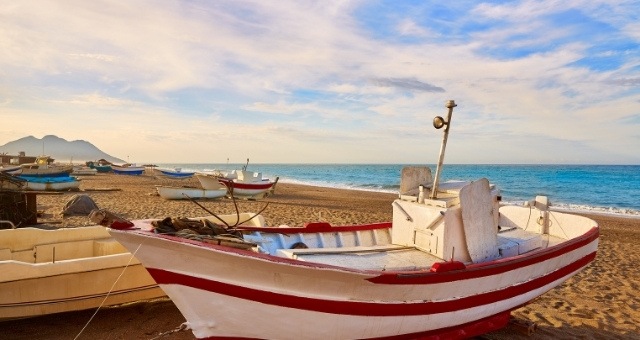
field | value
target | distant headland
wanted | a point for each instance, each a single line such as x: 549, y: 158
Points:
x: 58, y: 148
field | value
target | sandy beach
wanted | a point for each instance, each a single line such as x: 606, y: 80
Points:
x: 600, y: 302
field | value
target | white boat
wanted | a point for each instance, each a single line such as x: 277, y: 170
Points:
x: 84, y: 171
x: 51, y: 183
x: 69, y: 269
x: 12, y: 183
x: 54, y: 271
x: 243, y: 184
x: 453, y: 263
x: 176, y: 173
x: 182, y: 193
x: 42, y: 168
x: 127, y: 169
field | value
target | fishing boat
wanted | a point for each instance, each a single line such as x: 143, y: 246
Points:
x: 183, y: 193
x: 99, y: 167
x: 83, y: 171
x: 243, y: 184
x: 42, y: 168
x: 36, y: 183
x: 453, y: 263
x: 127, y: 169
x: 176, y: 173
x: 68, y: 269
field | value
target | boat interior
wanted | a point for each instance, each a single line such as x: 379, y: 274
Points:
x: 23, y: 246
x: 462, y: 222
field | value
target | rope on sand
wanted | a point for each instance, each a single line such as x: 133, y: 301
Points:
x: 108, y: 293
x: 182, y: 327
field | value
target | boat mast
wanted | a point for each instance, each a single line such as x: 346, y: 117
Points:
x: 438, y: 123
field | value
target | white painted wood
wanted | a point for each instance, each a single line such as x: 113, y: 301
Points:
x: 477, y: 207
x: 178, y: 193
x: 413, y: 177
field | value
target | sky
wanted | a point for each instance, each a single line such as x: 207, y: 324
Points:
x: 535, y: 82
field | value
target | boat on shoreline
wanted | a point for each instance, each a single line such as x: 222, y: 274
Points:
x: 42, y: 168
x: 59, y: 183
x: 242, y: 183
x: 176, y: 173
x: 99, y: 167
x: 127, y: 169
x: 69, y: 269
x: 183, y: 193
x: 453, y: 263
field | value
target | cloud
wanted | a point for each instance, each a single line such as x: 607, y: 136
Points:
x: 288, y: 77
x: 411, y: 84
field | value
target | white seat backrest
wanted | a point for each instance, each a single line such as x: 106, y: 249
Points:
x: 481, y: 233
x: 414, y: 176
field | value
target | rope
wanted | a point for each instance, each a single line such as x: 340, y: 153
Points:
x: 108, y: 293
x: 182, y: 327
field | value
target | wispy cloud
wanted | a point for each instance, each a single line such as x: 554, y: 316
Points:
x: 277, y: 81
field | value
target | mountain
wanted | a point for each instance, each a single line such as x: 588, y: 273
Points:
x: 58, y: 148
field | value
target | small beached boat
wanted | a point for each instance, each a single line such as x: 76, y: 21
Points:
x: 453, y: 263
x: 183, y: 193
x: 243, y: 184
x: 100, y: 167
x: 83, y: 171
x: 51, y: 183
x: 42, y: 168
x: 127, y: 169
x: 69, y: 269
x: 176, y: 173
x: 53, y: 271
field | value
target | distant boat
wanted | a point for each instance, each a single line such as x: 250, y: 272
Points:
x: 243, y: 184
x: 51, y: 183
x: 127, y: 169
x: 176, y: 173
x: 68, y: 269
x: 83, y: 171
x: 182, y: 193
x: 100, y: 167
x: 42, y: 168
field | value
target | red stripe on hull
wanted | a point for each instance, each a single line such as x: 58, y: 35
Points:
x: 247, y: 186
x: 365, y: 308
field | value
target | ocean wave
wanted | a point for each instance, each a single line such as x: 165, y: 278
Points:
x: 612, y: 211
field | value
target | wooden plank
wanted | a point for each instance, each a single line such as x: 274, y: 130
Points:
x: 481, y: 235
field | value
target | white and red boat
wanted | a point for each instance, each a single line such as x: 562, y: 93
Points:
x: 242, y: 183
x: 453, y: 263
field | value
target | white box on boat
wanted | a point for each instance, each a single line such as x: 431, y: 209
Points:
x: 526, y: 241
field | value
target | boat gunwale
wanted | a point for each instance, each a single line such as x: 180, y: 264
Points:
x: 394, y: 277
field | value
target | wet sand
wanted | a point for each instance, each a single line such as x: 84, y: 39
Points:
x: 600, y: 302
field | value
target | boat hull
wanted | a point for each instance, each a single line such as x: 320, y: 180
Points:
x: 178, y: 193
x: 131, y: 170
x: 335, y: 302
x: 54, y: 271
x: 240, y: 189
x: 51, y: 183
x: 176, y: 174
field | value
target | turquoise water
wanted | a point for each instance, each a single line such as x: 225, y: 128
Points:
x: 597, y: 188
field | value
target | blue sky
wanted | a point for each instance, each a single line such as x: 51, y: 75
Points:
x: 326, y: 81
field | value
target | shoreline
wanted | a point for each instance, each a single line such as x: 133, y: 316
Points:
x: 601, y: 301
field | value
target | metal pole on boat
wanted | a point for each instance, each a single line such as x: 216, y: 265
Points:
x: 438, y: 123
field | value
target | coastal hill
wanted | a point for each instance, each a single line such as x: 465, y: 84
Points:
x: 60, y: 149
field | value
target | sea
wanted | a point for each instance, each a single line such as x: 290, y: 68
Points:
x: 608, y: 189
